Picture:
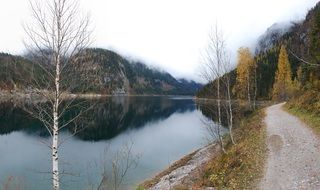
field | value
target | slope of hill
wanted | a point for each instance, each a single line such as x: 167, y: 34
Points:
x: 13, y: 71
x: 271, y: 36
x: 302, y: 41
x: 104, y: 72
x: 117, y: 75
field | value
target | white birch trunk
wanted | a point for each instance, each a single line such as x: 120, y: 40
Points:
x: 230, y: 112
x: 231, y: 122
x: 55, y: 157
x: 219, y: 110
x: 58, y: 30
x: 55, y: 137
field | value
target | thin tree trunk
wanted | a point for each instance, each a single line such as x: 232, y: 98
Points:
x: 231, y: 123
x: 55, y: 162
x: 230, y: 112
x: 219, y: 126
x: 248, y: 89
x: 255, y: 88
x: 55, y: 156
x: 57, y: 36
x: 219, y: 113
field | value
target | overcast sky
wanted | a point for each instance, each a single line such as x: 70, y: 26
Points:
x: 168, y: 34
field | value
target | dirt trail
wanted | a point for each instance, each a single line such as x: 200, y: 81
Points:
x: 294, y: 153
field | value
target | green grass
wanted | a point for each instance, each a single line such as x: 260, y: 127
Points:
x: 307, y: 108
x: 243, y: 165
x: 310, y: 118
x: 140, y: 188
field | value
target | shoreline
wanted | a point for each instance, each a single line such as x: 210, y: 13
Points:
x: 183, y: 170
x: 244, y: 160
x: 6, y: 94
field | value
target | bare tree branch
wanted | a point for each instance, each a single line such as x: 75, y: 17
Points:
x: 215, y: 69
x: 56, y: 37
x: 302, y: 60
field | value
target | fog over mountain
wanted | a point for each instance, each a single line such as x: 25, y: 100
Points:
x: 165, y: 34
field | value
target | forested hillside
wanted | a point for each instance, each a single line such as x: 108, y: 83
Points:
x: 103, y: 71
x: 301, y: 41
x: 14, y: 71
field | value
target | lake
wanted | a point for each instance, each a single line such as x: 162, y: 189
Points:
x: 156, y: 130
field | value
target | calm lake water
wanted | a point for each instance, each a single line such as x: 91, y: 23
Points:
x: 160, y: 130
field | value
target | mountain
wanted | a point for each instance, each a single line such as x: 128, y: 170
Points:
x: 272, y: 35
x: 14, y: 72
x: 302, y: 41
x: 192, y: 85
x: 103, y: 71
x: 108, y: 72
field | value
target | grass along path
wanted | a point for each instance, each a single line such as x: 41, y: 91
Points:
x: 243, y: 164
x: 312, y: 119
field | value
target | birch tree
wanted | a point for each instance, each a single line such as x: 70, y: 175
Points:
x: 57, y: 38
x: 227, y: 67
x: 216, y: 64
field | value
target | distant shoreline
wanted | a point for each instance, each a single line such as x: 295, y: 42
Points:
x: 6, y: 95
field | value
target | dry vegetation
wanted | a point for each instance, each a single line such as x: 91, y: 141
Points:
x: 243, y: 164
x: 241, y: 167
x: 307, y: 108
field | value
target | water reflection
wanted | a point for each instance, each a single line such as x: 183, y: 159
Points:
x: 162, y: 129
x: 105, y: 120
x: 13, y: 118
x: 209, y: 109
x: 122, y: 113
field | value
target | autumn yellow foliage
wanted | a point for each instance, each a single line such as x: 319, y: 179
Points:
x: 245, y: 74
x: 283, y: 85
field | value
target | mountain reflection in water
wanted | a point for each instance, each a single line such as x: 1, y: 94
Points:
x: 106, y: 119
x: 162, y: 130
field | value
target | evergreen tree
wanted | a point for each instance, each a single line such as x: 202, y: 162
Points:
x: 283, y: 84
x: 314, y: 35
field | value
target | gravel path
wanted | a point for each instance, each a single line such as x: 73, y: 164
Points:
x: 294, y: 153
